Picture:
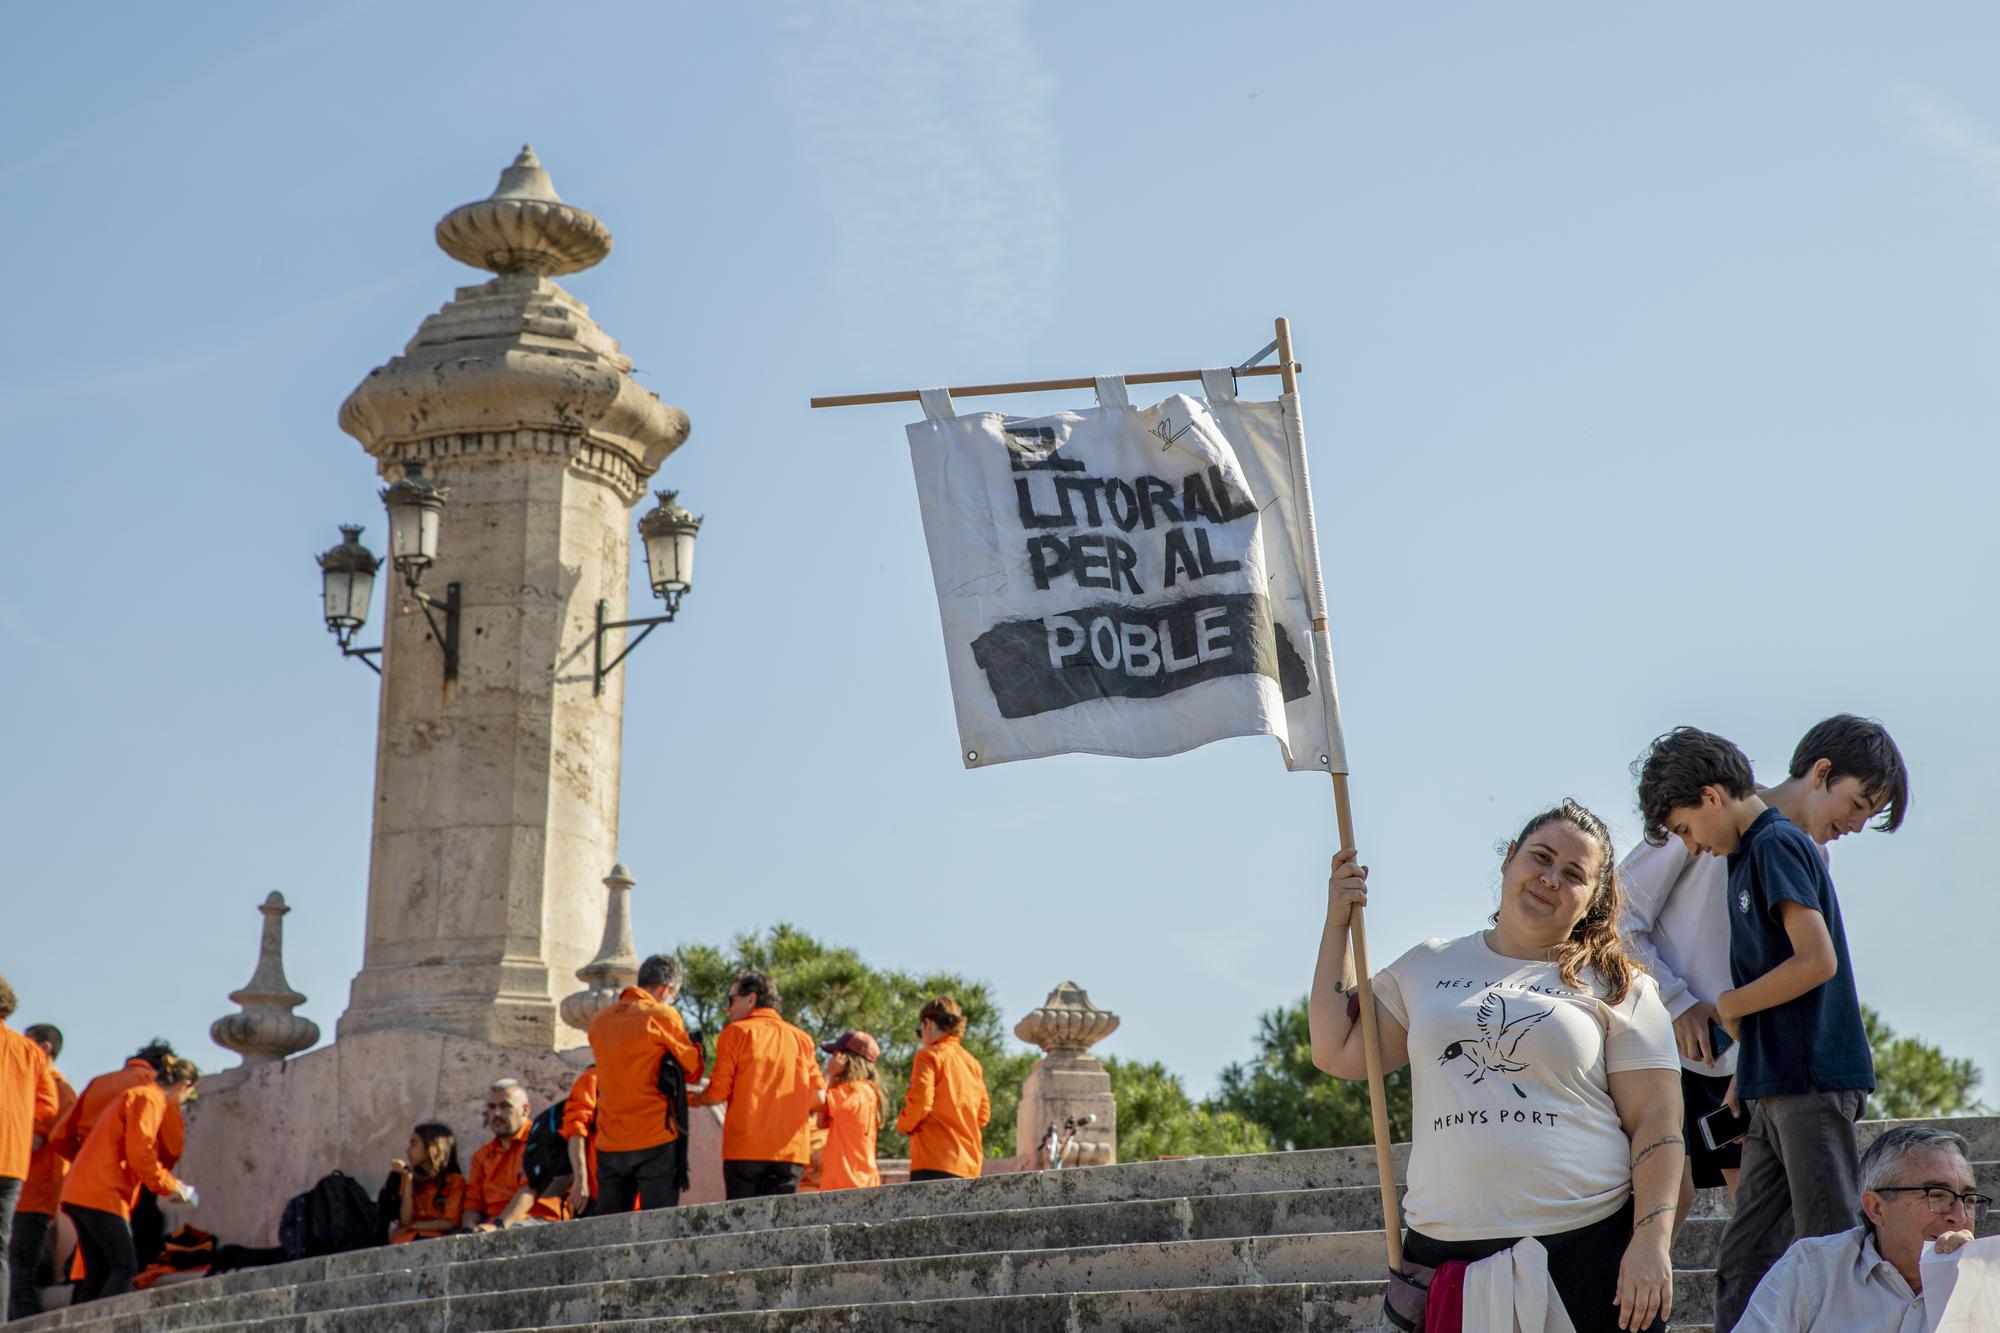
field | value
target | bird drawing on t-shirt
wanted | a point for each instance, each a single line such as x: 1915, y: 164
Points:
x: 1500, y: 1033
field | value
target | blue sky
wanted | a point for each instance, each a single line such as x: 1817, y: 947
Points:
x: 1650, y: 380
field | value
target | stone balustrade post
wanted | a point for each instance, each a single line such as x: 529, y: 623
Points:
x: 1068, y: 1080
x: 267, y: 1030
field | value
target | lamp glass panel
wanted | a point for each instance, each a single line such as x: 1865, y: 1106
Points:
x: 406, y: 534
x: 361, y: 586
x: 337, y: 584
x: 684, y: 558
x: 427, y: 532
x: 659, y: 561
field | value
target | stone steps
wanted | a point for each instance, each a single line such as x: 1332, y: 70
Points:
x: 1281, y: 1240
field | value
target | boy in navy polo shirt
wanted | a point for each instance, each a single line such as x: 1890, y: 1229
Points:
x: 1805, y: 1065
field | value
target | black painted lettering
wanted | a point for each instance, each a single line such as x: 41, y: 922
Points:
x: 1209, y: 564
x: 1048, y: 558
x: 1181, y: 562
x: 1156, y: 496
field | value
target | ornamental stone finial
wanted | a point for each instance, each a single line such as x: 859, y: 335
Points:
x: 267, y: 1029
x: 1067, y: 1022
x: 524, y: 226
x: 617, y: 963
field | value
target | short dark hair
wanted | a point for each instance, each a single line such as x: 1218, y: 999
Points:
x: 1678, y: 766
x: 155, y: 1053
x: 7, y: 1000
x: 662, y: 969
x: 943, y: 1014
x: 1859, y: 747
x: 758, y: 984
x: 46, y: 1033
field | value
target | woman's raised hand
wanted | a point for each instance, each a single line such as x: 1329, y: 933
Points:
x: 1346, y: 887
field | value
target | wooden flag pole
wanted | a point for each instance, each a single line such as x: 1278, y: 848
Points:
x: 1357, y: 935
x: 1041, y: 386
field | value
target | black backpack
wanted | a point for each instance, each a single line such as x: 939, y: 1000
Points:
x: 334, y: 1216
x: 546, y: 1158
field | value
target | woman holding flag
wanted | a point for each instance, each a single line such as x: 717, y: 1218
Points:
x: 1544, y: 1076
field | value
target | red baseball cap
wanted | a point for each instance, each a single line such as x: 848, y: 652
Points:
x: 853, y: 1043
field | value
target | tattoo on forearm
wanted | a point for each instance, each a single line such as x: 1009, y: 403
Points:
x: 1651, y: 1148
x: 1652, y: 1216
x: 1339, y: 987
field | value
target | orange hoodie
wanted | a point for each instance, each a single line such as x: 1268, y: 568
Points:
x: 853, y: 1115
x: 121, y: 1156
x: 27, y: 1100
x: 629, y: 1040
x: 768, y: 1073
x: 101, y: 1092
x: 43, y: 1190
x: 945, y: 1109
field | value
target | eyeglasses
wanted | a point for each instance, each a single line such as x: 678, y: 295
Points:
x: 1939, y: 1199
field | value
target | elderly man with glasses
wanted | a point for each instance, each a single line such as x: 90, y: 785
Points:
x: 1916, y: 1186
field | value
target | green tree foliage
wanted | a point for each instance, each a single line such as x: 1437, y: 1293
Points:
x: 1157, y: 1118
x: 1281, y: 1091
x: 1914, y: 1080
x: 828, y: 991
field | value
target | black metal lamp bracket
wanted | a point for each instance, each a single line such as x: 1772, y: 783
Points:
x: 601, y: 668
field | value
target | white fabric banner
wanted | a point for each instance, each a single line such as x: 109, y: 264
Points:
x: 1962, y: 1289
x: 1127, y: 581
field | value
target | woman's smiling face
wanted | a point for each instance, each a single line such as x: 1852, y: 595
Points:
x: 1547, y: 881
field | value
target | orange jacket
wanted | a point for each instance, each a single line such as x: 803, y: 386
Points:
x: 43, y: 1190
x: 27, y: 1100
x: 100, y: 1093
x: 433, y: 1201
x: 765, y: 1069
x: 853, y: 1114
x: 496, y: 1178
x: 629, y: 1040
x: 580, y: 1122
x: 945, y: 1109
x: 122, y: 1155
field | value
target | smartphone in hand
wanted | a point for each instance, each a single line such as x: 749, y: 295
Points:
x: 1722, y: 1127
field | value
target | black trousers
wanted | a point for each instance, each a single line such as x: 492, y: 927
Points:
x: 26, y: 1253
x: 645, y: 1174
x: 752, y: 1180
x: 10, y: 1194
x: 109, y: 1261
x: 1583, y: 1265
x: 935, y: 1175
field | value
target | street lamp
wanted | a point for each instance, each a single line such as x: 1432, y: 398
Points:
x: 347, y: 581
x: 415, y: 503
x: 668, y: 533
x: 347, y: 572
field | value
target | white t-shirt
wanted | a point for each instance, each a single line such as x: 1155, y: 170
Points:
x: 1516, y: 1133
x: 1675, y: 919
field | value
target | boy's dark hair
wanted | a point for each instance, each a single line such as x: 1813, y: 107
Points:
x: 758, y: 984
x: 1859, y: 747
x: 7, y: 998
x: 156, y: 1053
x: 1678, y: 766
x: 48, y: 1034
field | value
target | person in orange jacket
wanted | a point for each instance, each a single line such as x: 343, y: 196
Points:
x: 640, y: 1150
x: 119, y: 1159
x: 852, y: 1114
x: 579, y: 1131
x: 765, y: 1072
x: 35, y: 1214
x: 27, y: 1108
x: 496, y: 1193
x: 433, y: 1187
x: 946, y: 1106
x: 149, y: 1227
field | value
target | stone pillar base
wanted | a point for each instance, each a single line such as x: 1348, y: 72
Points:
x: 261, y: 1134
x: 1063, y: 1085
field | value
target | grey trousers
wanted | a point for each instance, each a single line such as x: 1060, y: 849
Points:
x: 10, y: 1194
x: 1800, y: 1177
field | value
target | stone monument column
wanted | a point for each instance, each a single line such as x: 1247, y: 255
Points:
x: 1068, y: 1080
x: 496, y: 793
